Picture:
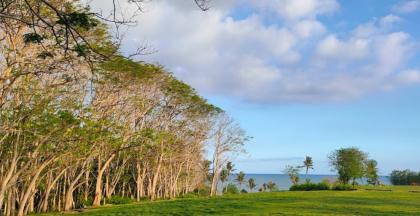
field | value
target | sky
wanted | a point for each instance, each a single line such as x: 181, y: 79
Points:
x: 302, y: 77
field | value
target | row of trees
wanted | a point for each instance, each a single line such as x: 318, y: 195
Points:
x: 80, y: 123
x: 405, y: 177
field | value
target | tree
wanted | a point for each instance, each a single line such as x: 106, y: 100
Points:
x: 350, y: 163
x: 240, y: 178
x: 271, y: 186
x: 79, y: 121
x: 228, y: 139
x: 308, y: 164
x: 372, y: 172
x: 251, y: 184
x: 224, y: 176
x: 293, y: 173
x: 229, y: 168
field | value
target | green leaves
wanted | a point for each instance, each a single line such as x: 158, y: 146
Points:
x: 32, y: 38
x: 78, y: 19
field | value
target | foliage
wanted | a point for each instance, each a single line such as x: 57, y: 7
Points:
x: 271, y: 186
x: 293, y: 173
x: 118, y: 200
x: 251, y: 184
x: 310, y: 187
x: 308, y: 164
x: 405, y: 177
x: 202, y: 191
x: 342, y: 187
x: 372, y: 172
x: 240, y: 178
x: 349, y: 163
x: 231, y: 189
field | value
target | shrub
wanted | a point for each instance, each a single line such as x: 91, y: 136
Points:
x: 323, y: 186
x: 202, y: 191
x: 244, y: 191
x: 118, y: 200
x: 310, y: 187
x: 342, y: 187
x: 231, y: 189
x: 405, y: 177
x: 82, y: 203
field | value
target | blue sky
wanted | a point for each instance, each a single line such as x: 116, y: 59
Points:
x: 303, y: 77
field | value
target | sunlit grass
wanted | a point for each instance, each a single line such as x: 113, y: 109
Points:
x: 399, y: 201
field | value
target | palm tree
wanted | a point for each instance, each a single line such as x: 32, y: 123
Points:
x: 293, y: 173
x: 229, y: 168
x: 271, y: 186
x: 224, y: 176
x: 240, y: 178
x: 308, y: 164
x: 251, y: 184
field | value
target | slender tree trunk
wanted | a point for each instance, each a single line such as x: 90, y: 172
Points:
x: 86, y: 192
x: 5, y: 181
x: 68, y: 202
x: 155, y: 178
x: 31, y: 185
x: 44, y: 204
x: 98, y: 187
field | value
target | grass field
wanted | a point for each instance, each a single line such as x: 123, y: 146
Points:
x: 399, y: 201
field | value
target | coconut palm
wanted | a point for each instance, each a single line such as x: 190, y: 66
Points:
x: 308, y: 164
x: 224, y: 176
x: 271, y: 186
x: 240, y: 178
x: 230, y: 168
x: 251, y: 184
x: 264, y: 187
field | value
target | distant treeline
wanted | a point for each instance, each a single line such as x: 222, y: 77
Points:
x: 405, y: 177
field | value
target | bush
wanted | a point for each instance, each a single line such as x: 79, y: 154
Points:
x: 310, y: 187
x: 405, y: 177
x: 118, y: 200
x: 231, y: 189
x: 343, y: 187
x: 244, y: 191
x: 202, y: 191
x: 82, y: 203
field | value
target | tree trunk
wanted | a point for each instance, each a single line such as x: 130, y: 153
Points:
x: 5, y: 181
x: 155, y: 178
x: 68, y: 202
x: 31, y: 185
x: 98, y: 188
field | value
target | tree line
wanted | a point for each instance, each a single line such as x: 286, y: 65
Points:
x: 80, y: 123
x: 405, y: 177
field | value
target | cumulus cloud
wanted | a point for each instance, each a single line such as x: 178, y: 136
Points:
x: 407, y: 6
x: 298, y: 9
x: 296, y: 60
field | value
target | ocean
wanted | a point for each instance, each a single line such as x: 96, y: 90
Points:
x: 283, y: 182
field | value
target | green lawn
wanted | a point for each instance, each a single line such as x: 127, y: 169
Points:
x: 360, y: 202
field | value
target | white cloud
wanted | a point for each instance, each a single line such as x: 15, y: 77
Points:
x: 333, y: 48
x: 298, y: 9
x: 407, y: 6
x: 410, y: 76
x: 389, y: 20
x: 298, y: 61
x: 308, y: 28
